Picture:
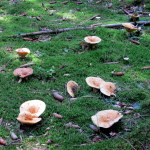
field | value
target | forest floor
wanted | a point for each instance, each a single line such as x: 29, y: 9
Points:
x: 60, y: 58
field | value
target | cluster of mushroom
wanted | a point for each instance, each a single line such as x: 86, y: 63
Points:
x: 105, y: 118
x: 107, y: 88
x: 30, y: 111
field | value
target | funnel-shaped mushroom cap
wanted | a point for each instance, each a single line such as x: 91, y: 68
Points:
x: 92, y: 39
x: 35, y: 107
x: 94, y: 82
x: 106, y: 118
x: 22, y: 51
x: 28, y: 118
x: 134, y: 15
x: 72, y: 88
x: 129, y: 27
x: 108, y: 88
x: 23, y: 72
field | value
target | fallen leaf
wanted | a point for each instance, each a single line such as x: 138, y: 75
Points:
x: 117, y: 73
x: 97, y: 139
x: 79, y: 3
x: 147, y: 67
x: 112, y: 133
x: 49, y: 142
x: 57, y: 96
x: 70, y: 124
x: 2, y: 142
x: 57, y: 115
x: 38, y: 18
x: 135, y: 42
x: 13, y: 136
x: 65, y: 2
x: 94, y: 128
x: 53, y: 2
x: 24, y: 14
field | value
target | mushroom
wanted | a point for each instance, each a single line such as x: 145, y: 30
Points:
x: 94, y: 82
x: 22, y: 52
x: 106, y: 118
x: 108, y: 88
x: 23, y: 73
x: 134, y: 17
x: 72, y: 88
x: 30, y: 111
x: 91, y: 41
x: 130, y: 27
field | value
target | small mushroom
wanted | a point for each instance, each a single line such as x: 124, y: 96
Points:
x: 22, y: 52
x: 130, y: 27
x: 108, y: 88
x: 94, y: 82
x: 134, y: 17
x: 106, y: 118
x: 23, y: 73
x: 72, y: 88
x: 30, y: 111
x: 91, y: 41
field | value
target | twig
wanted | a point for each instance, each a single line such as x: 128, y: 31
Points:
x: 129, y: 143
x: 77, y: 28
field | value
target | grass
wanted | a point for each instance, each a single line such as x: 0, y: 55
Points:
x: 64, y: 50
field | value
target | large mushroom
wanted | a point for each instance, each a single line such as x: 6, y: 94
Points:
x: 30, y: 111
x: 23, y: 73
x: 90, y: 42
x: 130, y: 27
x: 94, y: 82
x: 106, y: 118
x: 72, y: 88
x: 108, y: 88
x: 22, y: 52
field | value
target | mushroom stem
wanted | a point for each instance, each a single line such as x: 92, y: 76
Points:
x: 20, y: 80
x: 87, y: 46
x: 95, y: 90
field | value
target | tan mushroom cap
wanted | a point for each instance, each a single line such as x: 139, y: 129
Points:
x: 94, y: 82
x: 27, y: 118
x: 134, y: 15
x: 108, y: 88
x: 92, y: 39
x: 30, y: 111
x: 106, y: 118
x: 129, y: 27
x: 23, y: 72
x: 22, y: 51
x: 35, y: 107
x: 72, y: 86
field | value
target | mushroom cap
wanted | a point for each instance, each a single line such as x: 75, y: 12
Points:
x: 92, y: 39
x: 72, y: 86
x: 106, y: 118
x: 134, y: 15
x: 23, y: 72
x: 23, y: 120
x: 108, y: 88
x: 33, y: 107
x: 94, y: 82
x: 22, y: 51
x: 129, y: 27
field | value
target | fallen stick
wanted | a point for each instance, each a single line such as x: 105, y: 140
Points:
x: 77, y: 28
x: 112, y: 62
x: 147, y: 67
x: 27, y: 65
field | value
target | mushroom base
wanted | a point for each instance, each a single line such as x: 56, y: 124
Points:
x: 87, y: 46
